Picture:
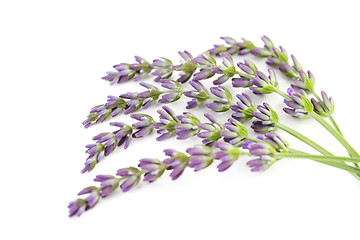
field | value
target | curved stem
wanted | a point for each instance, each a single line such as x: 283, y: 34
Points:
x: 336, y: 134
x: 283, y: 94
x: 301, y: 137
x: 318, y: 157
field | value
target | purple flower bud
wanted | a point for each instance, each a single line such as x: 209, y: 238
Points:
x: 203, y: 74
x: 77, y: 207
x: 154, y: 168
x: 244, y: 108
x: 177, y: 162
x: 108, y: 184
x: 200, y: 157
x: 260, y: 164
x: 132, y: 176
x: 228, y: 154
x: 163, y: 68
x: 241, y: 82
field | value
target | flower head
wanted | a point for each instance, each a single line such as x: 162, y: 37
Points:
x: 177, y: 162
x: 187, y: 68
x: 211, y: 131
x: 304, y: 82
x: 171, y: 96
x: 264, y: 153
x: 224, y: 99
x: 144, y: 126
x: 235, y: 133
x: 163, y: 68
x: 267, y: 118
x: 244, y: 108
x: 132, y: 176
x: 167, y: 122
x: 187, y: 127
x: 108, y: 184
x: 200, y: 157
x: 325, y: 107
x: 228, y: 70
x: 199, y: 95
x: 228, y: 154
x: 154, y: 168
x: 263, y: 84
x: 299, y: 106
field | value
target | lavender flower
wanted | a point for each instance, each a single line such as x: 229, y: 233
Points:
x: 200, y: 157
x: 211, y: 133
x: 244, y: 108
x: 126, y: 72
x: 235, y: 133
x: 304, y: 82
x: 163, y: 68
x: 325, y: 107
x: 153, y: 168
x: 132, y: 176
x: 177, y: 162
x: 199, y: 95
x: 167, y: 123
x: 108, y: 184
x: 264, y: 84
x: 134, y: 104
x: 266, y: 51
x: 78, y: 206
x: 299, y: 106
x: 146, y: 98
x: 278, y: 57
x: 228, y: 155
x: 106, y: 143
x: 208, y: 63
x: 267, y: 118
x: 224, y: 99
x: 173, y: 86
x: 144, y: 127
x: 276, y: 141
x: 187, y: 127
x: 248, y: 68
x: 228, y: 70
x: 241, y: 48
x: 265, y: 159
x: 97, y: 114
x: 187, y: 68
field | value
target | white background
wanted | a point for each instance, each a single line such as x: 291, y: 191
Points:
x: 52, y: 56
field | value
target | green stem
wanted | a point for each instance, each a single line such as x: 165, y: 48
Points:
x: 283, y: 94
x: 328, y: 160
x: 318, y: 157
x: 303, y: 138
x: 336, y: 134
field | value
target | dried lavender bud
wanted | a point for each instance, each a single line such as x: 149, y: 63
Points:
x: 199, y: 95
x: 187, y: 68
x: 200, y: 157
x: 163, y: 68
x: 153, y: 168
x: 228, y: 155
x: 108, y: 184
x: 211, y: 133
x: 132, y: 176
x: 267, y: 118
x: 167, y: 123
x: 177, y: 162
x: 244, y: 108
x: 299, y: 106
x: 187, y: 127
